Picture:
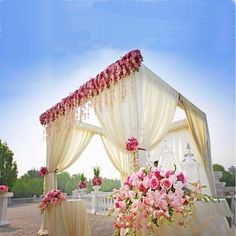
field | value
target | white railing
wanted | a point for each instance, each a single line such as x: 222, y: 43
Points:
x: 227, y: 193
x: 96, y: 202
x: 102, y: 202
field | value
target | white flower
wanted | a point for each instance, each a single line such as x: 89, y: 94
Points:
x: 178, y: 185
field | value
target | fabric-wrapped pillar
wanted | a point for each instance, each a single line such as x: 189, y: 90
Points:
x: 65, y: 143
x: 198, y: 127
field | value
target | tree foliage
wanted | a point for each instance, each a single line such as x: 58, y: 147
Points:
x: 8, y: 167
x: 28, y: 185
x: 227, y: 177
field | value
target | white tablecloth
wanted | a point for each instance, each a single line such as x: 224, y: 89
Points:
x: 208, y: 219
x: 69, y: 219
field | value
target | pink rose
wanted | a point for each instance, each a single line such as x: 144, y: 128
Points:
x: 142, y: 188
x: 181, y: 177
x: 166, y: 184
x: 168, y: 173
x: 154, y: 183
x: 157, y: 174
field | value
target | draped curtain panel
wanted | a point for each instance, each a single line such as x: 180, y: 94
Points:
x: 140, y: 106
x: 121, y: 161
x: 65, y: 143
x: 177, y: 140
x: 198, y: 127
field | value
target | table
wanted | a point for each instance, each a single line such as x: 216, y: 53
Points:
x: 208, y: 219
x: 68, y: 219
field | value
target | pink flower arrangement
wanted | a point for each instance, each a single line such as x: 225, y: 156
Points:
x: 155, y: 196
x: 3, y: 189
x: 132, y: 145
x: 43, y: 171
x: 82, y: 184
x: 122, y: 68
x: 96, y: 181
x: 52, y: 198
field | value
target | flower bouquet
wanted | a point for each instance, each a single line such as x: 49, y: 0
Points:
x: 97, y: 180
x: 3, y: 189
x: 132, y: 147
x: 52, y: 198
x: 43, y: 171
x: 155, y: 197
x: 82, y: 181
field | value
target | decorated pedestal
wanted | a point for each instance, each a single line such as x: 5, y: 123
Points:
x: 3, y: 207
x: 96, y: 188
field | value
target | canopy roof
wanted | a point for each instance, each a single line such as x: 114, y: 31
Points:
x: 118, y: 70
x: 115, y: 72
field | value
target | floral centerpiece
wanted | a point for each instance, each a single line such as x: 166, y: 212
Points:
x: 43, y: 171
x: 82, y: 181
x: 96, y: 180
x: 52, y: 198
x: 3, y: 188
x: 132, y: 147
x: 154, y: 196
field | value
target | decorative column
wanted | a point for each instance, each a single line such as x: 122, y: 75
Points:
x: 3, y: 207
x: 220, y: 186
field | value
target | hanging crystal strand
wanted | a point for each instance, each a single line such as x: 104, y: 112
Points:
x: 122, y: 90
x: 80, y: 113
x: 132, y: 86
x: 44, y: 133
x: 112, y: 93
x: 134, y: 160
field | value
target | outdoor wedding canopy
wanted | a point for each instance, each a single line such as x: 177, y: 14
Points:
x: 129, y: 101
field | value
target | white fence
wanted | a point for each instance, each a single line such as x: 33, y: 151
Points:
x: 96, y: 202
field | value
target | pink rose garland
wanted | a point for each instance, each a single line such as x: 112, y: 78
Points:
x: 122, y: 68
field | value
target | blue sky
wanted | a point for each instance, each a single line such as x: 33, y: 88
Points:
x: 48, y: 48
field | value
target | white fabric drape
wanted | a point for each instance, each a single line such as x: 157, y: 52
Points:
x: 140, y: 106
x: 120, y: 160
x: 65, y: 143
x: 177, y: 140
x: 198, y: 128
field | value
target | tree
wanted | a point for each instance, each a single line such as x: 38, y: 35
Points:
x: 62, y: 179
x: 28, y: 185
x: 8, y: 167
x: 227, y: 177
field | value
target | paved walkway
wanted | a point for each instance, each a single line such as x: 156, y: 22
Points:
x: 25, y: 220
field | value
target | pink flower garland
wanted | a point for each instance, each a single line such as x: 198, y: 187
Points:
x: 122, y: 68
x: 3, y: 189
x: 52, y: 198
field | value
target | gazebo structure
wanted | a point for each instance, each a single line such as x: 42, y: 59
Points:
x: 129, y: 101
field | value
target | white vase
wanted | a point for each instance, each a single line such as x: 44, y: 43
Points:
x: 96, y: 188
x: 3, y: 207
